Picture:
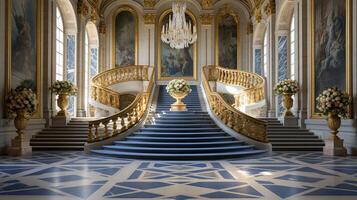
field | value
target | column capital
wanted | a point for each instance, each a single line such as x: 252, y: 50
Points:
x: 206, y: 19
x: 149, y: 18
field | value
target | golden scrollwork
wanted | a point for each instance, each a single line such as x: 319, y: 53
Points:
x: 120, y: 122
x: 207, y: 4
x: 149, y: 3
x: 82, y: 8
x: 233, y: 118
x: 149, y: 18
x: 206, y: 19
x: 93, y: 16
x: 269, y: 9
x: 258, y: 15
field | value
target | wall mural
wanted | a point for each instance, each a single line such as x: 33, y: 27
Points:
x: 227, y: 41
x: 176, y: 63
x: 24, y: 45
x: 125, y: 37
x: 330, y: 46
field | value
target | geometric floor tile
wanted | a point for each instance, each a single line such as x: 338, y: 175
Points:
x: 75, y: 175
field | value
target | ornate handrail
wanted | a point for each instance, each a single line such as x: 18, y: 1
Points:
x: 253, y: 85
x: 233, y: 118
x: 120, y: 122
x: 99, y: 88
x: 121, y: 74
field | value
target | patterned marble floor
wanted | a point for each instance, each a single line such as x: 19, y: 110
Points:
x: 75, y: 175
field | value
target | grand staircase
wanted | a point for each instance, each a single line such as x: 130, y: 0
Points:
x: 179, y: 135
x: 285, y: 138
x: 70, y: 137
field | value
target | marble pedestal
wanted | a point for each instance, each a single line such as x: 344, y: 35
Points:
x: 58, y: 121
x: 20, y: 146
x: 334, y: 147
x: 289, y: 121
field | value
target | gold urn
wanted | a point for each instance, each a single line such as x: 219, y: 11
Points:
x: 178, y: 105
x: 62, y: 103
x: 334, y: 123
x: 20, y: 122
x: 288, y: 103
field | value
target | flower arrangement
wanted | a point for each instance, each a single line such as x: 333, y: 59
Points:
x: 20, y: 100
x: 63, y: 87
x: 335, y: 101
x: 178, y: 86
x: 286, y: 86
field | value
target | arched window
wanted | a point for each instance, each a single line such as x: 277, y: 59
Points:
x: 265, y: 54
x: 59, y: 45
x: 293, y: 40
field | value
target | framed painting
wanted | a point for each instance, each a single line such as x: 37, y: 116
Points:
x: 227, y: 39
x: 176, y: 63
x: 330, y: 48
x: 125, y: 37
x: 23, y: 46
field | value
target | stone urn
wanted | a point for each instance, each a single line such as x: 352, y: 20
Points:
x: 178, y: 105
x: 62, y: 103
x: 288, y: 103
x: 333, y: 144
x: 20, y: 145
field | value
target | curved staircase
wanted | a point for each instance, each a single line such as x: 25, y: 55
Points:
x: 179, y: 135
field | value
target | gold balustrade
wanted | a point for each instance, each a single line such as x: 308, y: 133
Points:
x: 120, y: 122
x: 99, y: 88
x: 121, y: 74
x: 233, y: 118
x: 253, y: 85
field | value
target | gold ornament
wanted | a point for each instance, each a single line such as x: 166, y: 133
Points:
x: 270, y: 8
x: 178, y: 105
x: 288, y: 103
x: 62, y: 103
x: 206, y: 19
x: 149, y: 3
x: 334, y: 123
x: 149, y: 18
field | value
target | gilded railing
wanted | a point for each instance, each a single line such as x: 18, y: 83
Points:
x: 120, y: 122
x: 253, y: 85
x: 233, y: 118
x: 99, y: 88
x: 121, y: 74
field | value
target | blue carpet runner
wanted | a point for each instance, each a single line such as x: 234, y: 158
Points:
x: 179, y: 135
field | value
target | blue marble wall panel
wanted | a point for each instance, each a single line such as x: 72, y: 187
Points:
x: 282, y: 66
x: 71, y: 69
x: 94, y: 62
x: 258, y: 61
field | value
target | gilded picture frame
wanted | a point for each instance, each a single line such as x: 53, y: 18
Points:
x: 37, y: 53
x: 317, y: 64
x: 135, y: 15
x: 159, y: 46
x: 219, y: 17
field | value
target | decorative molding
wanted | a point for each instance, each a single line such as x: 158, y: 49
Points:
x: 149, y: 18
x: 269, y: 9
x: 206, y: 19
x: 93, y: 16
x: 149, y: 3
x: 249, y: 28
x: 207, y: 4
x: 102, y: 27
x: 82, y: 8
x: 258, y: 15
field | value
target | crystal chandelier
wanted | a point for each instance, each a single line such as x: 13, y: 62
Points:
x: 178, y: 33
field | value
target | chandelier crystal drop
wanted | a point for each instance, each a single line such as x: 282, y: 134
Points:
x: 178, y: 33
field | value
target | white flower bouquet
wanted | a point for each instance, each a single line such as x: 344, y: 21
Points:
x: 335, y: 101
x: 20, y: 100
x: 63, y: 87
x: 286, y: 86
x: 178, y: 86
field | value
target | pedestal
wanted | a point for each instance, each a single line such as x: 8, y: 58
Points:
x: 20, y: 146
x: 289, y: 121
x: 334, y: 147
x: 178, y: 107
x: 59, y: 121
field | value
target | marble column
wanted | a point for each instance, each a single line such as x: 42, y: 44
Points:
x: 282, y: 72
x: 102, y: 29
x: 81, y: 22
x: 271, y: 80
